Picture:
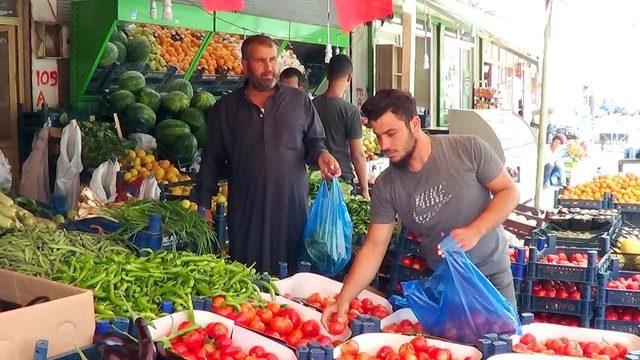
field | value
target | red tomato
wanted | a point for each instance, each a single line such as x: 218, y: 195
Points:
x: 215, y: 330
x: 356, y: 305
x: 406, y: 348
x: 350, y: 347
x: 218, y: 301
x: 242, y: 319
x: 184, y: 324
x: 194, y: 340
x: 257, y: 325
x: 265, y: 315
x: 420, y: 343
x: 223, y: 342
x: 270, y: 356
x: 352, y: 314
x: 292, y: 315
x: 282, y: 326
x: 337, y: 324
x: 294, y: 337
x: 189, y: 356
x: 224, y: 310
x: 380, y: 312
x: 315, y: 298
x: 180, y: 348
x: 310, y: 328
x: 323, y: 340
x: 368, y: 305
x: 257, y: 351
x: 248, y: 311
x: 384, y: 352
x: 231, y: 351
x: 274, y: 307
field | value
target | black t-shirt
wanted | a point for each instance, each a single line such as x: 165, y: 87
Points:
x: 341, y: 121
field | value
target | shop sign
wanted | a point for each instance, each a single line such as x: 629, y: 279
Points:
x: 8, y: 8
x: 45, y: 82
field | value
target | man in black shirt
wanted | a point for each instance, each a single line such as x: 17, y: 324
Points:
x: 341, y: 121
x: 292, y: 77
x: 261, y: 136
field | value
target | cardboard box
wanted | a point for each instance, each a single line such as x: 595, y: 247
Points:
x: 67, y: 321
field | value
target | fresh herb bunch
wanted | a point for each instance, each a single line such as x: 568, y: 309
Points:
x: 100, y: 141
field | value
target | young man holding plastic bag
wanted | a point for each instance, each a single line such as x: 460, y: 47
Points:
x: 437, y: 185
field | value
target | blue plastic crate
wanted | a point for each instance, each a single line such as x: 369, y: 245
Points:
x: 586, y: 275
x: 519, y: 271
x: 630, y: 213
x: 406, y: 273
x: 614, y: 325
x: 582, y: 308
x: 91, y: 352
x: 613, y: 296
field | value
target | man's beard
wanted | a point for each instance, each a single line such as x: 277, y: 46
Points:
x: 260, y: 84
x: 410, y: 148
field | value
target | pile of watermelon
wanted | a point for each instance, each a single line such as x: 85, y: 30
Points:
x: 123, y: 50
x: 183, y: 126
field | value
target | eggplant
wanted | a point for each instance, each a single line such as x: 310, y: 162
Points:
x: 116, y: 353
x: 146, y: 347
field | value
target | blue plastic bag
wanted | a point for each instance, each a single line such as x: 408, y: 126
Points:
x: 327, y: 236
x: 458, y: 303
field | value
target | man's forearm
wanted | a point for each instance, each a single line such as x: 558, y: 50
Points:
x: 360, y: 165
x: 498, y: 209
x: 363, y: 271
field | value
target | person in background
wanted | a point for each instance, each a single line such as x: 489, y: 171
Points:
x: 435, y: 184
x: 553, y: 157
x: 292, y: 77
x: 259, y: 138
x: 341, y: 121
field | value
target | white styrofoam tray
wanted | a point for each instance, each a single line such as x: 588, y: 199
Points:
x: 371, y: 343
x: 544, y: 332
x: 304, y: 284
x: 307, y: 313
x: 243, y: 338
x: 402, y: 314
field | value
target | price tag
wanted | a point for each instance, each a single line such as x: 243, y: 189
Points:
x: 117, y: 121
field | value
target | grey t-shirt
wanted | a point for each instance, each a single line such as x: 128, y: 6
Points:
x: 341, y: 122
x: 447, y: 193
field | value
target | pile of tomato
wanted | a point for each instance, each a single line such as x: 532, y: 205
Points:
x: 417, y: 349
x: 357, y: 307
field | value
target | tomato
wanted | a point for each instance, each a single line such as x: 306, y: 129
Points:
x: 350, y: 347
x: 368, y: 305
x: 384, y: 352
x: 274, y: 307
x: 294, y: 337
x: 406, y: 261
x: 323, y: 340
x: 180, y: 348
x: 242, y: 319
x: 265, y: 315
x: 304, y: 342
x: 257, y: 325
x: 270, y: 356
x: 420, y: 344
x: 209, y: 348
x: 218, y: 301
x: 231, y: 350
x: 356, y: 305
x: 215, y: 330
x: 292, y: 315
x: 257, y: 351
x: 224, y: 310
x: 201, y: 354
x: 310, y: 328
x: 380, y: 312
x: 223, y: 343
x: 248, y: 311
x: 406, y: 348
x: 282, y: 326
x: 352, y: 314
x: 184, y: 324
x: 194, y: 340
x: 226, y: 357
x: 250, y: 357
x: 337, y: 324
x: 189, y: 356
x: 315, y: 298
x: 392, y: 356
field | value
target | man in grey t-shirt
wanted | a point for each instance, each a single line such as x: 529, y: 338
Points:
x: 436, y: 184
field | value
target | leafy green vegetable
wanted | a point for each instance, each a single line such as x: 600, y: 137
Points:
x: 100, y: 141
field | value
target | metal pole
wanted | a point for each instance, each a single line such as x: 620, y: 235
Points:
x: 544, y: 109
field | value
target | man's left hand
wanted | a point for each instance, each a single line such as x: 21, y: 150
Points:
x: 329, y: 166
x: 466, y: 237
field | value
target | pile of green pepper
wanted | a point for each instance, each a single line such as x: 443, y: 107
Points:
x: 127, y: 282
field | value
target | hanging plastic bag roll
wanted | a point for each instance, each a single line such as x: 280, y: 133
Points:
x: 103, y: 181
x: 457, y: 302
x: 69, y: 164
x: 34, y: 182
x: 5, y: 172
x: 329, y: 230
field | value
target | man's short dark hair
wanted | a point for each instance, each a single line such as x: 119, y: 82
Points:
x: 399, y: 103
x: 263, y: 40
x: 340, y: 66
x: 288, y: 73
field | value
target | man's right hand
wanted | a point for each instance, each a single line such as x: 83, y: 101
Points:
x: 339, y: 307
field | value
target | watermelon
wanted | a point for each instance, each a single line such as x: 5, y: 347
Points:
x: 181, y: 85
x: 201, y: 135
x: 149, y: 97
x: 132, y: 81
x: 168, y: 130
x: 138, y: 50
x: 120, y: 100
x: 174, y: 103
x: 119, y: 36
x: 122, y: 52
x: 202, y: 100
x: 109, y: 55
x: 139, y: 118
x: 194, y: 118
x: 182, y: 146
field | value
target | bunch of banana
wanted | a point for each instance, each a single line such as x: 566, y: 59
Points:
x: 13, y: 216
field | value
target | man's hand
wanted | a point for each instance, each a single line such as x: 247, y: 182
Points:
x: 329, y: 166
x: 467, y: 237
x: 366, y: 196
x: 339, y: 307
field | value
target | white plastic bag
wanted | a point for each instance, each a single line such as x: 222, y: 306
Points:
x: 103, y: 181
x: 69, y: 164
x: 149, y: 189
x: 34, y: 182
x: 5, y: 172
x: 143, y: 141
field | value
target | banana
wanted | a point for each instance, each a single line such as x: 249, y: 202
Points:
x: 5, y: 200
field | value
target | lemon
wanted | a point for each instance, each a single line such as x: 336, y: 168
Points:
x: 173, y: 179
x: 127, y: 177
x: 164, y: 164
x: 141, y: 153
x: 148, y: 159
x: 185, y: 203
x: 159, y: 173
x: 136, y: 162
x: 193, y: 207
x: 172, y: 171
x: 131, y: 154
x: 134, y: 173
x: 176, y: 190
x: 138, y: 168
x: 186, y: 192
